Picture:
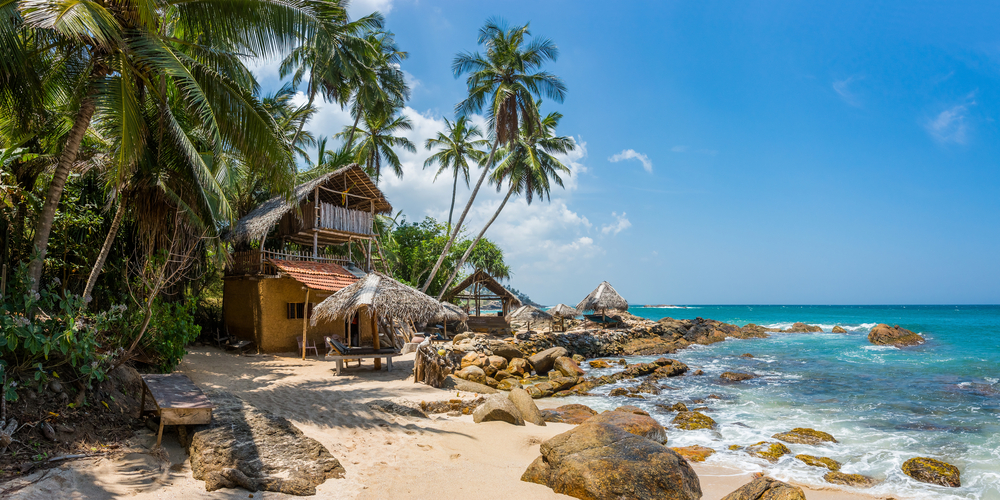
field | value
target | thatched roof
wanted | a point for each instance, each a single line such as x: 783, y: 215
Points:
x: 603, y: 298
x: 488, y: 282
x: 383, y: 295
x: 452, y: 313
x: 530, y: 313
x: 352, y: 178
x: 563, y: 311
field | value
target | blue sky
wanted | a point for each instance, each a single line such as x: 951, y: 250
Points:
x: 738, y: 152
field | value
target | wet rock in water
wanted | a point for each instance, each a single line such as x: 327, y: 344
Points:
x: 766, y: 488
x: 508, y: 384
x: 929, y: 470
x: 826, y: 462
x: 497, y: 408
x: 752, y: 331
x: 736, y: 376
x: 714, y: 396
x: 251, y: 448
x: 669, y: 368
x: 707, y: 331
x: 648, y: 387
x: 394, y: 408
x: 803, y: 435
x: 526, y: 406
x: 883, y: 334
x: 674, y: 407
x: 746, y: 355
x: 855, y: 480
x: 640, y: 369
x: 567, y: 367
x: 519, y: 366
x: 578, y: 358
x: 599, y: 363
x: 562, y: 383
x: 472, y: 373
x: 767, y: 450
x: 542, y: 362
x: 803, y: 328
x: 568, y: 414
x: 698, y: 372
x: 533, y: 391
x: 601, y: 461
x: 632, y: 409
x: 636, y: 423
x: 452, y: 382
x: 648, y: 347
x: 545, y: 388
x: 694, y: 453
x: 507, y: 350
x: 692, y: 420
x: 618, y: 391
x: 838, y: 329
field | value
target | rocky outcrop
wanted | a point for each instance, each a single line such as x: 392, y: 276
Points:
x: 826, y: 462
x: 519, y: 366
x: 451, y: 382
x: 255, y: 450
x: 692, y: 420
x: 767, y: 450
x: 601, y: 461
x: 736, y: 376
x: 929, y: 470
x: 674, y: 407
x: 803, y: 435
x: 497, y: 408
x: 526, y: 406
x: 803, y: 328
x: 507, y: 350
x: 638, y: 423
x: 765, y: 488
x: 752, y: 331
x: 669, y: 368
x: 883, y: 334
x: 855, y: 480
x: 472, y: 373
x: 599, y: 363
x: 694, y: 453
x: 568, y: 414
x: 838, y: 329
x: 639, y: 370
x: 568, y: 367
x: 649, y: 347
x: 542, y: 362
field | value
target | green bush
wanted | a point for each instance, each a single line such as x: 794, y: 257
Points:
x: 171, y: 328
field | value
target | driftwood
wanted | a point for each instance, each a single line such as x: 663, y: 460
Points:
x: 430, y: 367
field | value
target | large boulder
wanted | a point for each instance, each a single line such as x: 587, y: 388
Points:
x: 669, y: 368
x: 883, y: 334
x: 498, y: 362
x: 600, y: 461
x: 473, y: 359
x: 803, y: 328
x: 568, y: 367
x: 497, y: 408
x: 752, y: 331
x: 507, y: 350
x: 803, y: 435
x: 767, y: 450
x: 736, y: 376
x: 472, y: 373
x: 765, y: 488
x: 827, y: 462
x: 251, y: 448
x: 451, y: 382
x: 568, y: 414
x: 648, y: 347
x: 640, y: 424
x: 855, y: 480
x: 542, y: 362
x: 693, y: 420
x: 929, y: 470
x: 639, y: 369
x: 599, y: 363
x: 838, y: 329
x: 519, y: 366
x: 526, y: 406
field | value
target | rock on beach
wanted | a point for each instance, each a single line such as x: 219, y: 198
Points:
x: 803, y: 435
x: 765, y: 488
x: 933, y: 471
x: 568, y: 414
x: 497, y: 407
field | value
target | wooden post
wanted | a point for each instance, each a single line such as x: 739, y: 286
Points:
x: 371, y: 231
x: 305, y: 323
x: 316, y: 224
x: 375, y: 341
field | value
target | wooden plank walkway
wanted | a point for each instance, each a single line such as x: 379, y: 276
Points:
x: 177, y: 401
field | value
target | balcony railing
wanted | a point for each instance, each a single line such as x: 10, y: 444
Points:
x: 343, y: 219
x: 255, y: 262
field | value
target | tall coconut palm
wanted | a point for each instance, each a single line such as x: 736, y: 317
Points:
x: 131, y: 49
x: 505, y: 81
x: 378, y: 138
x: 455, y: 147
x: 386, y: 90
x: 529, y: 167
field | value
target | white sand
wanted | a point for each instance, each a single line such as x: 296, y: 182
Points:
x: 386, y: 457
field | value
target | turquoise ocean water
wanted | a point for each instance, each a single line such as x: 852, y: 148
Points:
x: 883, y: 404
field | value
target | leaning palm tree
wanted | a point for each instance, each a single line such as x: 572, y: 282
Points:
x: 505, y: 81
x: 382, y: 91
x: 378, y: 138
x: 456, y: 146
x: 190, y: 48
x: 529, y: 168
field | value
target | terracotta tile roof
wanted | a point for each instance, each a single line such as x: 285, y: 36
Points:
x: 316, y: 275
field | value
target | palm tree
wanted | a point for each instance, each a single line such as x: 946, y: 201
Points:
x: 455, y: 147
x: 505, y: 81
x: 132, y: 51
x: 377, y: 140
x: 385, y: 89
x: 529, y: 167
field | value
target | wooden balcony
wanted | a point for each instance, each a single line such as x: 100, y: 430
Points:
x: 254, y: 262
x: 329, y: 225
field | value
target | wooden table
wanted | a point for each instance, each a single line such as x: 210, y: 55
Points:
x: 177, y: 400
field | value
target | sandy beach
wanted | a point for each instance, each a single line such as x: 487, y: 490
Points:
x: 385, y: 456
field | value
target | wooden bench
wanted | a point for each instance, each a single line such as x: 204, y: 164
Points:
x: 339, y: 359
x: 177, y: 401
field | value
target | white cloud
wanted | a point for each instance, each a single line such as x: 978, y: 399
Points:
x: 950, y: 126
x: 621, y: 223
x: 361, y: 8
x: 631, y: 154
x: 842, y: 88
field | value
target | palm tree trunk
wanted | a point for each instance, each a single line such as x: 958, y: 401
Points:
x: 454, y: 191
x: 43, y: 227
x: 468, y: 252
x: 105, y: 250
x: 350, y: 138
x: 458, y: 225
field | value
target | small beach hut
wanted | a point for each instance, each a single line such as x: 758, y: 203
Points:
x: 604, y: 298
x: 452, y: 313
x: 379, y: 296
x: 563, y: 311
x: 529, y: 314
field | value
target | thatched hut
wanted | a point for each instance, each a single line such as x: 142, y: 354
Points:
x: 281, y: 267
x: 604, y: 298
x: 478, y: 288
x: 529, y: 314
x: 563, y: 311
x: 451, y: 314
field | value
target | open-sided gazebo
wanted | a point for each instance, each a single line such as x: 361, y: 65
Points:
x: 604, y: 298
x: 478, y: 288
